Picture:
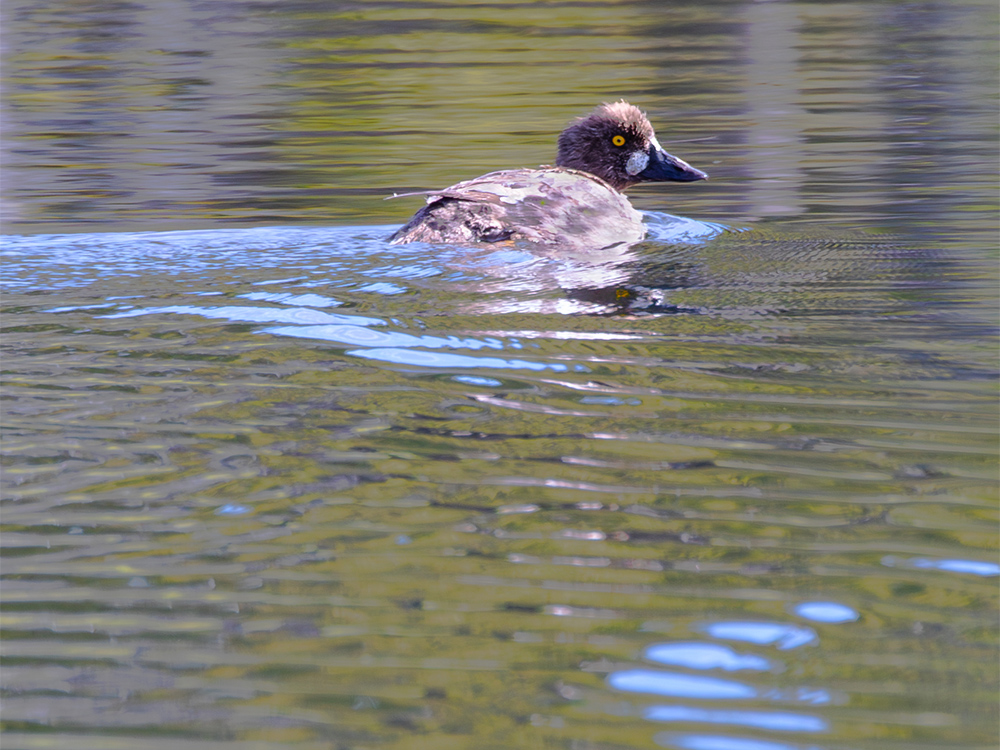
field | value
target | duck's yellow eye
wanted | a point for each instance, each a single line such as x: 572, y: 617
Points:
x: 618, y: 140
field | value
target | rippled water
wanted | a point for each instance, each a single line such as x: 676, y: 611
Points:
x: 287, y: 485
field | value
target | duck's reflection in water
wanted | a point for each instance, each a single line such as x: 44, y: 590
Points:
x: 621, y: 278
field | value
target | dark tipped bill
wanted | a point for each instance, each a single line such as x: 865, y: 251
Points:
x: 664, y: 167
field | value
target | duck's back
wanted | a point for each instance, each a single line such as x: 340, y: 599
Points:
x: 550, y: 206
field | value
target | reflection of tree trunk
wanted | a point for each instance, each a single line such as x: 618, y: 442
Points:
x: 936, y: 104
x: 774, y: 113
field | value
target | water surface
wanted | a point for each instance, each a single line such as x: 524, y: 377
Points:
x: 270, y: 481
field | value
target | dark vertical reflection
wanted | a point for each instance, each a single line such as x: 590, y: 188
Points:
x: 937, y: 108
x: 775, y: 116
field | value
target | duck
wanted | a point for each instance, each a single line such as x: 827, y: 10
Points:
x: 578, y: 204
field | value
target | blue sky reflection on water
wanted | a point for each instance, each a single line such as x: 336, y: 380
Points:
x: 784, y: 636
x: 781, y: 722
x: 238, y: 313
x: 351, y: 330
x: 971, y: 567
x: 717, y: 742
x: 421, y: 358
x: 825, y: 612
x: 705, y: 656
x: 390, y: 346
x: 677, y: 684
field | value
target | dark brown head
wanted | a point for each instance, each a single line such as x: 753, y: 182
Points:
x: 617, y: 143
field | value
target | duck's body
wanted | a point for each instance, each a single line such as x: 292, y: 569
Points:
x: 577, y: 204
x: 548, y: 206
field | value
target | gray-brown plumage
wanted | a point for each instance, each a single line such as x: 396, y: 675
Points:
x: 577, y: 204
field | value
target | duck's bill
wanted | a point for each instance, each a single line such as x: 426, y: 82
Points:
x: 664, y: 167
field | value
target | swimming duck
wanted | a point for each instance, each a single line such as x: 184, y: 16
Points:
x: 577, y: 204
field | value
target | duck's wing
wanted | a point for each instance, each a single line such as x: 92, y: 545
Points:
x: 547, y: 206
x: 556, y: 206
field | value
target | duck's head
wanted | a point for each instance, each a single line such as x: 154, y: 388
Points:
x: 617, y: 143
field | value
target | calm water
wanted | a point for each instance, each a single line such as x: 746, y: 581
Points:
x: 271, y: 482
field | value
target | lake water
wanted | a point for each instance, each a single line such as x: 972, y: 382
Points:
x: 271, y: 482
